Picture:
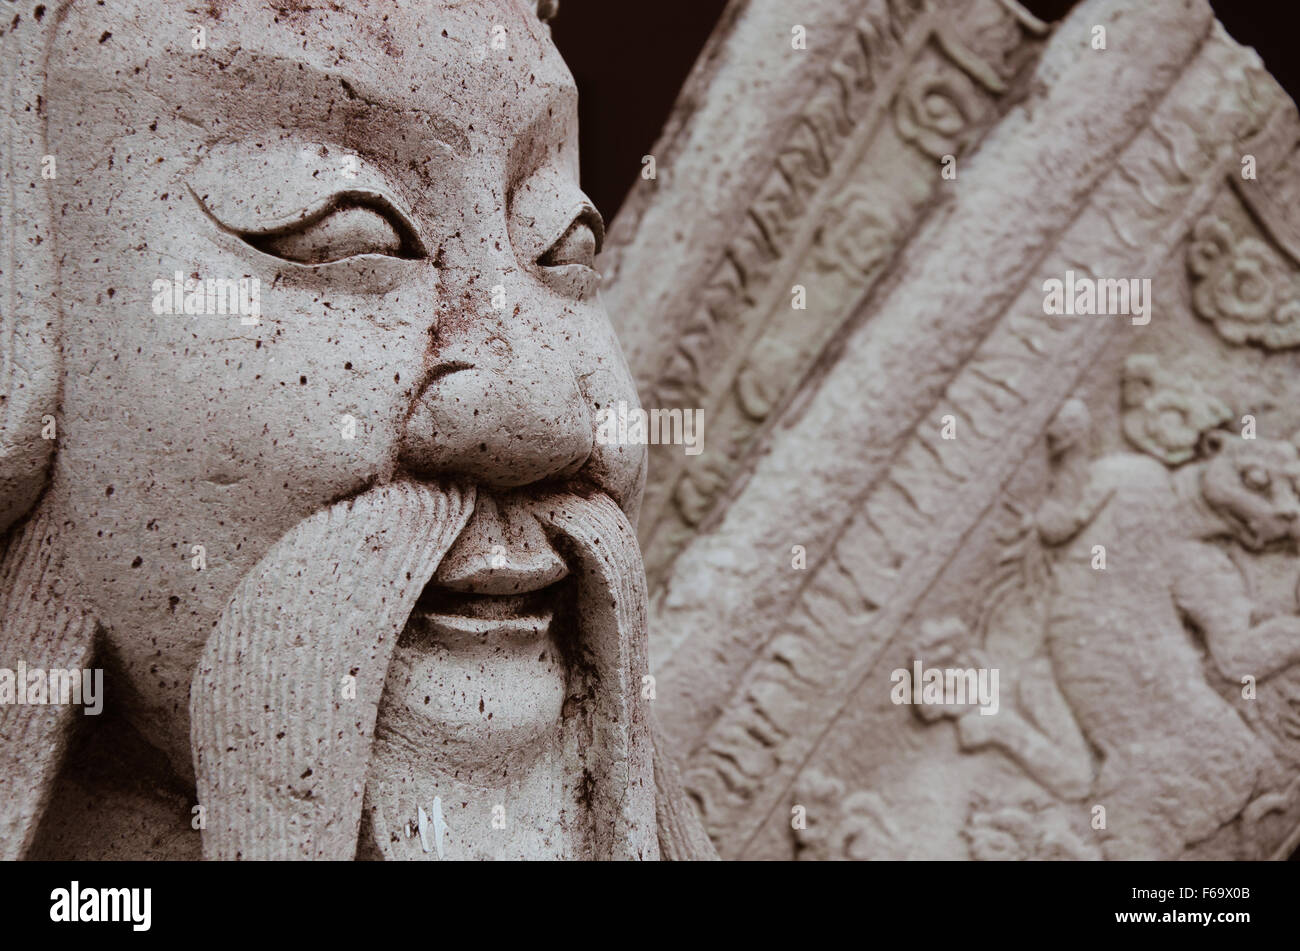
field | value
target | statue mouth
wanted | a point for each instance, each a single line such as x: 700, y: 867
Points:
x: 452, y: 619
x: 479, y: 678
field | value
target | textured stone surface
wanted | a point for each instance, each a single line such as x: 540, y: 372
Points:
x: 359, y: 576
x: 919, y: 465
x: 363, y: 577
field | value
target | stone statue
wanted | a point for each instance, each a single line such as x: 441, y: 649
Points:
x: 302, y: 350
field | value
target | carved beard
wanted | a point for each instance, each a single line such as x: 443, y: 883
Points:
x: 38, y: 624
x: 286, y: 695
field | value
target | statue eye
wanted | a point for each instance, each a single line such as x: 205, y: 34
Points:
x: 342, y: 229
x: 579, y: 244
x: 1255, y: 478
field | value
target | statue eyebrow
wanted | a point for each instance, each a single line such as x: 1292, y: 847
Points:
x: 553, y: 108
x: 444, y: 132
x: 449, y: 135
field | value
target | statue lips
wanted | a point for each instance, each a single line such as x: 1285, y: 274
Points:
x: 498, y: 587
x: 476, y: 678
x: 458, y: 620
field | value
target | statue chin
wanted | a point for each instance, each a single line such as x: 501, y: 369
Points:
x: 472, y: 717
x: 481, y: 692
x: 481, y: 732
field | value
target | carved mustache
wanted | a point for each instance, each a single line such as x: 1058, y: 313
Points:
x: 284, y: 698
x: 286, y: 694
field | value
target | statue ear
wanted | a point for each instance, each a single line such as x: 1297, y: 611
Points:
x: 29, y: 344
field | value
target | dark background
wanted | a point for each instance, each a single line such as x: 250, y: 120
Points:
x: 630, y: 60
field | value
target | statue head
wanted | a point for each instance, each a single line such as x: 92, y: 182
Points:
x: 309, y: 295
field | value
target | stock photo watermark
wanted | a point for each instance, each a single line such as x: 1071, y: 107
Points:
x: 209, y: 297
x: 621, y: 425
x: 38, y: 686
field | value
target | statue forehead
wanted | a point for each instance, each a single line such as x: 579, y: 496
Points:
x: 489, y: 62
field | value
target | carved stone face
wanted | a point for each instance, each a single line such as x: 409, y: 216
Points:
x: 1254, y: 485
x: 407, y: 202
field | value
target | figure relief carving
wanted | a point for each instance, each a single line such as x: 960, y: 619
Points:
x: 1123, y: 699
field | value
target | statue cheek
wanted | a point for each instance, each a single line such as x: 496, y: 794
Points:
x: 619, y: 472
x: 617, y: 464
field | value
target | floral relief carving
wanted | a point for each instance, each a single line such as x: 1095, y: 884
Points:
x: 934, y: 107
x: 1244, y: 287
x: 1165, y: 414
x: 1030, y: 830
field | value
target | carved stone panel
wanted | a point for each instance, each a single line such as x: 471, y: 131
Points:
x: 1034, y: 423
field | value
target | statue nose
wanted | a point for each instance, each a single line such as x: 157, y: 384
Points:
x: 501, y: 422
